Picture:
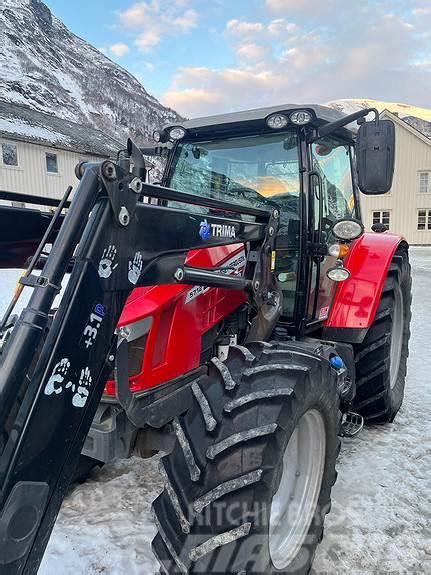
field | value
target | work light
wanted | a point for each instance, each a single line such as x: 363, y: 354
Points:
x: 347, y: 229
x: 338, y: 274
x: 300, y: 117
x: 276, y: 121
x: 177, y: 133
x: 157, y: 136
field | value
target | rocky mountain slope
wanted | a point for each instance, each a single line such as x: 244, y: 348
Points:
x: 46, y: 67
x: 419, y: 118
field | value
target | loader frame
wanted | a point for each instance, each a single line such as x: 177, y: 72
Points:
x: 53, y: 370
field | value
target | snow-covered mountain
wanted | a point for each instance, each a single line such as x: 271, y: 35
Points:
x: 46, y: 67
x: 419, y: 118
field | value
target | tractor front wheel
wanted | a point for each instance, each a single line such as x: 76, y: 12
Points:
x: 248, y: 484
x: 381, y: 360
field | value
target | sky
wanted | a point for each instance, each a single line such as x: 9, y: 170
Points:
x: 210, y: 56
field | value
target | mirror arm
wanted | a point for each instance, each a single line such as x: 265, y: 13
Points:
x: 135, y: 154
x: 332, y: 126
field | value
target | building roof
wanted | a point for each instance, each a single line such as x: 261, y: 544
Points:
x: 27, y: 125
x: 400, y: 122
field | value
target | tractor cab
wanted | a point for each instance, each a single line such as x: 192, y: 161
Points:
x: 275, y: 158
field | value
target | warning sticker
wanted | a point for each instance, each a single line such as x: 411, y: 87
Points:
x: 324, y: 312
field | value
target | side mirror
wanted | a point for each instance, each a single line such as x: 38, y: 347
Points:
x: 375, y: 156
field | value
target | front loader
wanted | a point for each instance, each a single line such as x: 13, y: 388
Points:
x: 235, y: 316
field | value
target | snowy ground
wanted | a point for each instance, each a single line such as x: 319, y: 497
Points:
x: 381, y: 512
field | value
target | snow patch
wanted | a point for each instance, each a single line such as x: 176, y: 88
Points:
x: 16, y: 126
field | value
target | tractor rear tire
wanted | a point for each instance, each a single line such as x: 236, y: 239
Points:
x: 381, y: 359
x: 248, y: 484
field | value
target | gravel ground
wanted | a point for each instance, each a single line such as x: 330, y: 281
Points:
x: 380, y: 518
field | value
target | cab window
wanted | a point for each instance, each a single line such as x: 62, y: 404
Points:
x: 331, y: 159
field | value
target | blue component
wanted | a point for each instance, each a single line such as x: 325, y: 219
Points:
x: 99, y: 309
x: 205, y: 230
x: 336, y: 362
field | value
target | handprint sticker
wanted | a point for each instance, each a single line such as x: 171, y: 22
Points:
x: 59, y: 373
x: 80, y: 397
x: 135, y: 268
x: 80, y: 390
x: 106, y: 266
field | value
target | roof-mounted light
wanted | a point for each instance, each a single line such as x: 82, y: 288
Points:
x: 177, y: 133
x: 277, y: 121
x: 347, y: 229
x: 157, y: 136
x: 300, y: 117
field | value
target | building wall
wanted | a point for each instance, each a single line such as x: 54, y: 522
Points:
x: 412, y: 155
x: 31, y: 176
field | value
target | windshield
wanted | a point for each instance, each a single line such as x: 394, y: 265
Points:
x: 258, y: 171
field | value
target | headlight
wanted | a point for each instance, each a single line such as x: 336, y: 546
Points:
x: 177, y: 133
x: 277, y: 121
x: 338, y: 274
x: 347, y: 229
x: 300, y: 117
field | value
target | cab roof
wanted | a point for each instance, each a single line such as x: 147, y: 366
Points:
x: 256, y: 119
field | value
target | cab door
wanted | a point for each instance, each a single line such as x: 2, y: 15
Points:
x: 331, y: 198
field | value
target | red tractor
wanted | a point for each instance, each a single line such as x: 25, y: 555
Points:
x: 235, y: 316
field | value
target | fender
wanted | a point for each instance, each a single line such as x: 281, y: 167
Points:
x: 356, y: 299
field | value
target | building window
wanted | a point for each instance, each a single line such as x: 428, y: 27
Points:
x: 424, y: 219
x: 51, y: 163
x: 382, y: 217
x: 10, y: 154
x: 424, y: 179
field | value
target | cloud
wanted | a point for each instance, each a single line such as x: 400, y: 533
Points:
x: 254, y: 52
x: 119, y: 50
x: 280, y: 26
x: 218, y: 90
x: 147, y: 40
x: 135, y: 16
x: 153, y: 20
x: 190, y: 99
x: 186, y: 21
x: 356, y: 51
x: 149, y: 66
x: 243, y: 28
x: 300, y: 6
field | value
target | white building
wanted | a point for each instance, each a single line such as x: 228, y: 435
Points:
x: 406, y: 209
x: 39, y: 152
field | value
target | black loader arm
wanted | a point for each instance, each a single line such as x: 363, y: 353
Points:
x: 53, y: 370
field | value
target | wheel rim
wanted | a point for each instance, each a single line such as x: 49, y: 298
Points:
x: 396, y: 336
x: 293, y: 505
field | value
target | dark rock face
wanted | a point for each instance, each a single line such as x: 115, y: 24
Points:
x: 42, y: 14
x: 46, y: 67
